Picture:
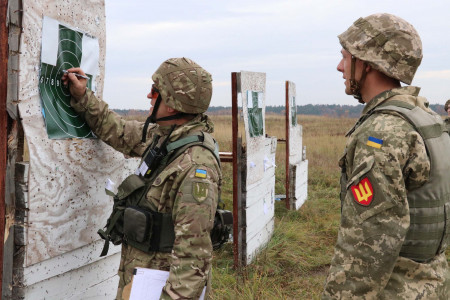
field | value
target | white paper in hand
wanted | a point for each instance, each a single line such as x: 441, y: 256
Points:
x: 148, y: 284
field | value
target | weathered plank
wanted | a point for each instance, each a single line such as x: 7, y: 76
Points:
x: 67, y: 262
x: 300, y: 184
x: 8, y: 246
x: 258, y: 205
x: 98, y: 280
x: 298, y: 167
x: 259, y: 241
x: 4, y: 122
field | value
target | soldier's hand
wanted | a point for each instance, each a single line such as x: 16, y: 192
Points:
x: 77, y: 85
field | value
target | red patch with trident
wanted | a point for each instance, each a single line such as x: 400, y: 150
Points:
x: 363, y: 192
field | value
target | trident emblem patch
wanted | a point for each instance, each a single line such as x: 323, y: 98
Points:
x: 363, y: 192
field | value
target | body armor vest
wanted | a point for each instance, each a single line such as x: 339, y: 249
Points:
x: 429, y: 205
x: 132, y: 220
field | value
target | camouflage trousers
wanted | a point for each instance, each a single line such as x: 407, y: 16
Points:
x: 131, y: 258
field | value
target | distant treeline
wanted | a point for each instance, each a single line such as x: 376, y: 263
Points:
x: 331, y: 110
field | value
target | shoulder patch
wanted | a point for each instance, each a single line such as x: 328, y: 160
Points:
x: 200, y: 191
x: 374, y: 142
x: 363, y: 192
x: 200, y: 173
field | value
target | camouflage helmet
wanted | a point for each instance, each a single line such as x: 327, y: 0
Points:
x: 387, y: 43
x: 184, y: 85
x: 447, y: 105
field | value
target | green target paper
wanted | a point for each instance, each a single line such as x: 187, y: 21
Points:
x: 64, y: 48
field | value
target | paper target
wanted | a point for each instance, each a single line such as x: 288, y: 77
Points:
x: 62, y: 49
x: 293, y: 110
x: 255, y: 118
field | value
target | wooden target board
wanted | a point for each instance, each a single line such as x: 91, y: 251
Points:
x: 258, y: 200
x: 298, y: 165
x: 63, y: 194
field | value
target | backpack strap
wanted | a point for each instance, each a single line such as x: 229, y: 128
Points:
x: 104, y: 234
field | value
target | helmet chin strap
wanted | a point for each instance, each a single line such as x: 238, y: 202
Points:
x: 355, y: 86
x: 152, y: 118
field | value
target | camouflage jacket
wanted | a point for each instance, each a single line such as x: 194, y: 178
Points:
x: 172, y: 191
x: 384, y: 158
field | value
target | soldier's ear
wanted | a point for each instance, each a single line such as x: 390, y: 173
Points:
x: 171, y: 110
x: 368, y: 68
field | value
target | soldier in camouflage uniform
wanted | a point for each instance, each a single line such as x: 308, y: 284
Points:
x: 181, y: 93
x: 395, y: 205
x: 447, y: 110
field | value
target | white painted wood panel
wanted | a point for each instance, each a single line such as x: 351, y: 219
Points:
x: 67, y: 203
x: 295, y: 144
x: 296, y: 159
x: 260, y: 241
x: 301, y: 184
x: 260, y: 207
x: 253, y: 81
x: 259, y: 202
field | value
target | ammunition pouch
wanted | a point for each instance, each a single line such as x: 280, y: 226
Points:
x: 223, y: 226
x: 147, y: 230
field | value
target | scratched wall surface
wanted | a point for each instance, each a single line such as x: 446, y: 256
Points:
x: 296, y: 159
x: 66, y: 200
x: 260, y: 180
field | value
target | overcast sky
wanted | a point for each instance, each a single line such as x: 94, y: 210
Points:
x: 292, y: 40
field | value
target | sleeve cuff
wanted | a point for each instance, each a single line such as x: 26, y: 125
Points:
x: 80, y: 105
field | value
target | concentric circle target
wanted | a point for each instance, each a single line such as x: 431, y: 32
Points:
x: 61, y: 120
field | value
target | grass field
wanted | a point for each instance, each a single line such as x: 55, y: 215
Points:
x: 296, y: 261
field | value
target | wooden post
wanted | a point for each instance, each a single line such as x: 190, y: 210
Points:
x: 288, y: 194
x: 3, y: 123
x: 236, y: 173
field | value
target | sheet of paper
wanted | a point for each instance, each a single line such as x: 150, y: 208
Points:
x: 148, y: 284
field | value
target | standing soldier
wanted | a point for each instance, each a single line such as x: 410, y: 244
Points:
x: 395, y: 187
x: 447, y: 110
x: 162, y: 214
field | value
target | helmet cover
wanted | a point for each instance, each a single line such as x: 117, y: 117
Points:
x: 184, y: 85
x: 387, y: 43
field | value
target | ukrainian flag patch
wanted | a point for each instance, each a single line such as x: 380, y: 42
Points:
x: 200, y: 173
x: 374, y: 142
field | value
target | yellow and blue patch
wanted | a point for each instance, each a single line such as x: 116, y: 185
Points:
x: 200, y: 173
x: 374, y: 142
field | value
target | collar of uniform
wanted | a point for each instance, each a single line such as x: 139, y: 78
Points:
x: 198, y: 123
x: 383, y: 96
x: 380, y: 98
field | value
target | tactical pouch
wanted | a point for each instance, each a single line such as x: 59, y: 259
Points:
x: 129, y: 191
x: 137, y: 225
x: 148, y: 230
x: 166, y: 234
